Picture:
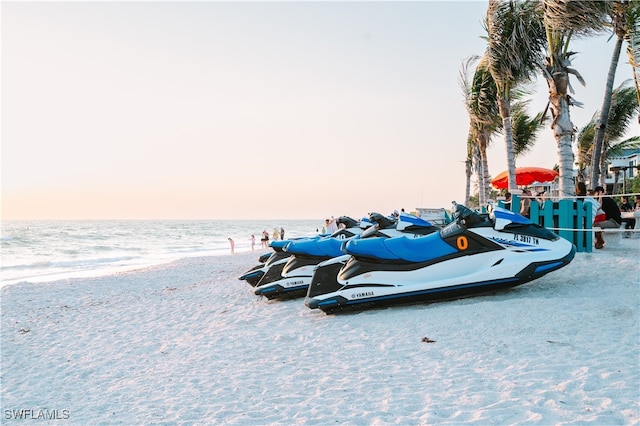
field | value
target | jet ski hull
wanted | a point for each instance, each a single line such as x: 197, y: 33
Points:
x: 253, y: 275
x: 459, y: 262
x: 300, y: 269
x: 256, y: 275
x: 294, y: 281
x: 381, y: 295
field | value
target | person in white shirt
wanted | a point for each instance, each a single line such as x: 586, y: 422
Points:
x: 330, y: 225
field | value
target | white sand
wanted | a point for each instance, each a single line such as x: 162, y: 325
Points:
x: 188, y: 343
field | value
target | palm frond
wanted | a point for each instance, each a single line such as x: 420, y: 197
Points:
x: 633, y: 41
x: 516, y: 40
x: 578, y: 17
x: 624, y: 107
x: 584, y: 140
x: 617, y: 149
x: 524, y: 127
x: 481, y: 97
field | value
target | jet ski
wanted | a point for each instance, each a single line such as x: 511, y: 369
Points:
x: 279, y: 256
x: 263, y: 257
x: 325, y: 273
x: 275, y: 260
x: 308, y: 254
x: 474, y: 254
x: 273, y: 283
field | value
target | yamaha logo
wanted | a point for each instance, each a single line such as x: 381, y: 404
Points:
x: 359, y: 295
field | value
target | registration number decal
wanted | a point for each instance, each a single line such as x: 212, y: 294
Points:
x: 526, y: 239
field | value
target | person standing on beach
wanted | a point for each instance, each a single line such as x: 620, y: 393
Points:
x: 276, y: 234
x: 525, y: 203
x: 282, y: 233
x: 233, y: 246
x: 253, y: 242
x: 264, y: 241
x: 330, y: 225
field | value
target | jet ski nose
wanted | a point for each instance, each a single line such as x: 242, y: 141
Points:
x: 311, y: 303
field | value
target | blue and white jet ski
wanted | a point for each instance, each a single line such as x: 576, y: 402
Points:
x: 271, y: 270
x: 273, y: 283
x: 476, y: 253
x: 307, y: 254
x: 279, y: 256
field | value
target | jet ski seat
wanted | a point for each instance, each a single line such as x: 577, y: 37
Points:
x: 330, y: 247
x: 278, y: 245
x: 322, y: 247
x: 420, y: 249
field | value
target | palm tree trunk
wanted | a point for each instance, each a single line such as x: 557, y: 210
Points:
x: 633, y: 52
x: 615, y: 183
x: 478, y: 168
x: 486, y: 182
x: 468, y: 166
x: 603, y: 168
x: 505, y: 113
x: 469, y: 172
x: 604, y: 114
x: 483, y: 176
x: 562, y: 130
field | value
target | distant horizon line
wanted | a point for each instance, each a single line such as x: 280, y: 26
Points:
x: 147, y: 219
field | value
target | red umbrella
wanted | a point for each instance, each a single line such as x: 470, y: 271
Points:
x: 525, y: 176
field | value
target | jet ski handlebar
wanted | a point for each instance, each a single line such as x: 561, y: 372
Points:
x: 382, y: 221
x: 465, y: 216
x: 348, y: 222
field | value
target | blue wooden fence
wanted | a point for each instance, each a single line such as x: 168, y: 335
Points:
x: 567, y: 218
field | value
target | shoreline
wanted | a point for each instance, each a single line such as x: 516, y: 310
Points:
x: 118, y: 270
x: 45, y: 252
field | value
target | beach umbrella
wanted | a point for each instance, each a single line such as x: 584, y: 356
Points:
x: 525, y: 176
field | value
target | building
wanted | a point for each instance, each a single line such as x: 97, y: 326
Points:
x: 621, y: 169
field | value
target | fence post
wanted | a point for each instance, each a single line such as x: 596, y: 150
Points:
x: 579, y: 224
x: 547, y: 215
x: 515, y: 203
x: 588, y: 225
x: 534, y: 212
x: 565, y: 219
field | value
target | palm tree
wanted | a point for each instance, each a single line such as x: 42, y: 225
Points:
x: 633, y: 43
x: 564, y: 20
x: 515, y: 35
x: 618, y: 11
x: 473, y: 159
x: 524, y: 128
x: 482, y: 105
x: 623, y: 107
x: 585, y: 144
x: 480, y: 100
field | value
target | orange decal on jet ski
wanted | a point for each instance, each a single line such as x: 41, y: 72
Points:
x: 462, y: 242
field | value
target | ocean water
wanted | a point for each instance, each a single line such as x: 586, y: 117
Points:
x: 41, y: 251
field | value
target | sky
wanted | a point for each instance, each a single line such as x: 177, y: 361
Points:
x: 247, y: 110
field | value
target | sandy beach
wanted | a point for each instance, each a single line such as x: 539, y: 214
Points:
x: 188, y: 343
